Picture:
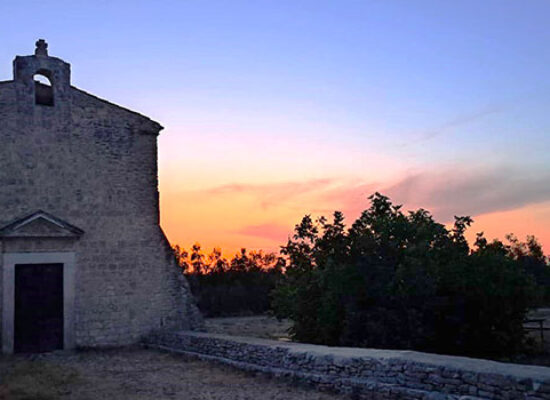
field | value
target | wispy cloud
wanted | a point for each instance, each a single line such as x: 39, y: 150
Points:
x: 445, y: 193
x: 456, y: 122
x: 263, y: 215
x: 272, y: 194
x: 271, y: 231
x: 472, y: 192
x: 282, y: 187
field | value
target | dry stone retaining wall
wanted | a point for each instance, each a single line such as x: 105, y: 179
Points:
x: 367, y: 373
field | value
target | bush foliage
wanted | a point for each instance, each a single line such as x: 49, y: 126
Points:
x: 237, y: 287
x: 402, y: 280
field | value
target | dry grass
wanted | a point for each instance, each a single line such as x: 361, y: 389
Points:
x: 136, y: 374
x: 34, y: 380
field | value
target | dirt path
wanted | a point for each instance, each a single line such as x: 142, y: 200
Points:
x: 136, y: 374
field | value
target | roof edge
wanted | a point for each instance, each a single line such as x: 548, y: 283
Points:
x: 155, y: 126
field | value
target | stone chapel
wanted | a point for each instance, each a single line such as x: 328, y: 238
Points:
x: 83, y: 259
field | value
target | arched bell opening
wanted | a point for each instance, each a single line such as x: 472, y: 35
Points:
x: 43, y: 89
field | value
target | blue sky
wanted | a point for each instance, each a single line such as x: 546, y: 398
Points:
x: 398, y: 67
x: 296, y: 90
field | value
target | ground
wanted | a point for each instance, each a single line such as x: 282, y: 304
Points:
x: 261, y: 326
x: 140, y: 374
x: 137, y: 374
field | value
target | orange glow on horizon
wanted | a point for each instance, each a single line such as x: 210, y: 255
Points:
x: 529, y: 220
x: 250, y: 191
x: 261, y: 217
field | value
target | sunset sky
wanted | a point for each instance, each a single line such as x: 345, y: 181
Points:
x: 276, y: 109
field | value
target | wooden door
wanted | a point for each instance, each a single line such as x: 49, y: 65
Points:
x: 38, y: 308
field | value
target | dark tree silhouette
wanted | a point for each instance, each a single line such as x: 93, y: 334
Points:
x: 402, y: 280
x: 237, y: 287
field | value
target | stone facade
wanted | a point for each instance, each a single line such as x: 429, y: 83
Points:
x: 367, y: 373
x: 78, y: 175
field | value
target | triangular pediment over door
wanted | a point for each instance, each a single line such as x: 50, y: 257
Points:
x: 40, y: 224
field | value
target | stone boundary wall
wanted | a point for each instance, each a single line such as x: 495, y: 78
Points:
x: 367, y: 373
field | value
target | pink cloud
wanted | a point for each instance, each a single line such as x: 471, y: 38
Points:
x: 471, y: 192
x: 271, y: 231
x: 272, y: 194
x: 444, y: 192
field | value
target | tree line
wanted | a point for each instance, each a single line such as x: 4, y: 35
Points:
x: 222, y: 287
x: 390, y: 280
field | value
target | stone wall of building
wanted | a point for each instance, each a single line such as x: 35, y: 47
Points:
x: 93, y: 164
x: 367, y: 373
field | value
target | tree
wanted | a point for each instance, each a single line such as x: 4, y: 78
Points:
x: 197, y: 259
x: 182, y: 257
x: 396, y: 280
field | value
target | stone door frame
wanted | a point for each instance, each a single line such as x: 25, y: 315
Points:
x: 10, y: 260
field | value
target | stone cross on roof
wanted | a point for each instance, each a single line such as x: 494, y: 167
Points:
x: 41, y: 48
